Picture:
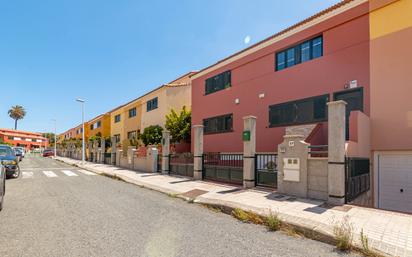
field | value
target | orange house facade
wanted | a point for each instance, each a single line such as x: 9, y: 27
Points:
x: 28, y: 140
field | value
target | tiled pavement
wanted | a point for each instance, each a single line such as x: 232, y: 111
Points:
x: 389, y: 232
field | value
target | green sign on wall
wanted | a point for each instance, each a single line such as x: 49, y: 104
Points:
x: 246, y: 135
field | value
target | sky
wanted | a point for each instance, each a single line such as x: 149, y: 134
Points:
x: 110, y: 52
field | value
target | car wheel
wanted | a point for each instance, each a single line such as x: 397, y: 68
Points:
x: 16, y: 173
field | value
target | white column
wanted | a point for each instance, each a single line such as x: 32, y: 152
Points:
x: 249, y: 151
x: 198, y: 152
x: 165, y: 152
x: 336, y: 152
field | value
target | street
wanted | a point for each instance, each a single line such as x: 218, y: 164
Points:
x: 58, y: 210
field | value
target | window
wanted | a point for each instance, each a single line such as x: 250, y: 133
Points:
x: 354, y: 102
x: 151, y: 104
x: 91, y: 126
x: 117, y: 118
x: 132, y: 135
x: 218, y: 82
x: 309, y: 110
x: 10, y: 138
x: 132, y: 112
x: 218, y: 124
x: 99, y: 124
x: 280, y: 61
x: 300, y: 53
x: 117, y: 138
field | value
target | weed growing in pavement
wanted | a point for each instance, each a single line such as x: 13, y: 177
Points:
x: 247, y: 217
x: 273, y: 222
x: 343, y: 232
x: 366, y: 250
x: 173, y: 195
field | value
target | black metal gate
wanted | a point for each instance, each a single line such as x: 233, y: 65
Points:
x: 266, y: 170
x: 159, y: 162
x: 107, y: 158
x: 181, y: 164
x: 357, y: 177
x: 223, y: 167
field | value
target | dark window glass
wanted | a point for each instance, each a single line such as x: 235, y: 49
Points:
x: 290, y: 57
x: 303, y: 111
x: 218, y: 124
x: 305, y: 52
x: 317, y: 47
x: 99, y: 124
x: 117, y: 138
x: 132, y: 135
x: 354, y: 102
x: 10, y: 138
x: 132, y: 112
x: 281, y: 61
x: 151, y: 104
x: 300, y: 53
x: 117, y: 118
x: 91, y: 127
x: 218, y: 82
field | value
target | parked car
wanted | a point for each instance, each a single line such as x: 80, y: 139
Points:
x: 10, y: 161
x: 19, y: 152
x: 2, y: 185
x: 48, y: 153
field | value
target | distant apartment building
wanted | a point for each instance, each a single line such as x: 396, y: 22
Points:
x: 28, y: 140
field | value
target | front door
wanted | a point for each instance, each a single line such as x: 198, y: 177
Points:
x: 354, y: 100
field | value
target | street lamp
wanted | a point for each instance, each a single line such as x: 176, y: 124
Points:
x: 83, y: 142
x: 55, y: 137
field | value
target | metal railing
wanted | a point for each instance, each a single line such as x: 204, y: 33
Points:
x: 223, y: 159
x: 318, y: 150
x: 357, y: 177
x: 266, y: 170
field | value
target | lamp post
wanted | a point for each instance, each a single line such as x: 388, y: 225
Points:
x: 55, y: 138
x: 83, y: 142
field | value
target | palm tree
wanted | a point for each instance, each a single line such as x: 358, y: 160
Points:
x: 17, y: 112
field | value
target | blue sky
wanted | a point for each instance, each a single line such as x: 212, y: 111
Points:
x: 109, y: 52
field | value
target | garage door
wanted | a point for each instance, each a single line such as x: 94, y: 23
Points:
x: 395, y: 182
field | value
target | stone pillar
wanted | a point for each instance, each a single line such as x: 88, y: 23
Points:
x: 90, y: 149
x: 198, y: 152
x: 165, y: 152
x: 113, y: 151
x: 152, y: 155
x: 336, y: 152
x: 293, y: 155
x: 102, y: 149
x: 249, y: 151
x: 95, y: 150
x: 118, y: 156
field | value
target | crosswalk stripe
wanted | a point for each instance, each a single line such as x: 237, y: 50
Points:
x: 69, y: 173
x: 86, y: 172
x: 27, y: 174
x: 49, y: 173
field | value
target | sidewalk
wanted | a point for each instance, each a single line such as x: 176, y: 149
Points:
x: 389, y: 232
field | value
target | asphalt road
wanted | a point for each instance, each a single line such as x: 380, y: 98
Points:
x: 56, y: 210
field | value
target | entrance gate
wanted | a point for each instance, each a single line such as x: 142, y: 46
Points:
x: 223, y: 167
x: 181, y: 164
x: 266, y: 170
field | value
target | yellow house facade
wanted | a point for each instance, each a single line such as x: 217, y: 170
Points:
x: 100, y: 124
x: 126, y: 121
x: 159, y: 102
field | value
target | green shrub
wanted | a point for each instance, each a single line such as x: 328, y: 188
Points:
x: 343, y: 232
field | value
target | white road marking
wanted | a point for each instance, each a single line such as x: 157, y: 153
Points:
x: 27, y: 174
x: 49, y: 173
x: 69, y: 173
x: 86, y: 172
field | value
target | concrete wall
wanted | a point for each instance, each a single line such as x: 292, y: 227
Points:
x: 318, y: 178
x: 359, y: 144
x: 346, y: 58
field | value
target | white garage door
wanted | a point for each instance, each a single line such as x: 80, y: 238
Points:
x: 395, y: 182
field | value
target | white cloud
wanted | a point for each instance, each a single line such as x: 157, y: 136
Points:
x: 247, y: 39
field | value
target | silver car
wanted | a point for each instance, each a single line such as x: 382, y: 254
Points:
x: 2, y: 185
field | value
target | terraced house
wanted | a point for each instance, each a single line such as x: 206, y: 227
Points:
x: 128, y: 120
x: 356, y: 51
x: 98, y: 125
